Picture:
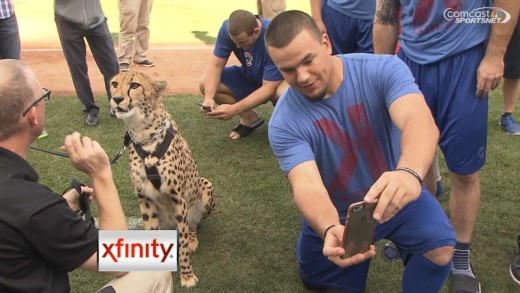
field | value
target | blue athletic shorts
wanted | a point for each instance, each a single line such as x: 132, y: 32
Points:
x: 234, y: 78
x: 419, y: 227
x: 347, y: 34
x: 449, y: 87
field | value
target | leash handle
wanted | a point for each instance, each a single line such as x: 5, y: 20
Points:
x: 84, y: 205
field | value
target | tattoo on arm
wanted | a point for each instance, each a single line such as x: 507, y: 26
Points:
x: 386, y: 12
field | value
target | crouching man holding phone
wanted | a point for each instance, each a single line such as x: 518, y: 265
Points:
x: 352, y: 128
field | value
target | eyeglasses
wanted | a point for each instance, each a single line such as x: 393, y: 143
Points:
x: 46, y: 96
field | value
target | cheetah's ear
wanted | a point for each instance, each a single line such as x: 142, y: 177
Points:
x: 159, y: 85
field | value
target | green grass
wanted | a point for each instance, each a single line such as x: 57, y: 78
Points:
x: 248, y: 243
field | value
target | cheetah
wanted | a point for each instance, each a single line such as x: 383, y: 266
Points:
x: 170, y: 191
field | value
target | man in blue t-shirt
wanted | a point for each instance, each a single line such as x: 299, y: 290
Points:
x: 348, y: 23
x: 456, y: 61
x: 350, y: 128
x: 239, y: 89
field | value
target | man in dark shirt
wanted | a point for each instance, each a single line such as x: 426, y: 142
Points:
x: 41, y: 237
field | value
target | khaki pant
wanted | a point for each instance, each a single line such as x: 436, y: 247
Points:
x: 134, y: 35
x: 271, y: 8
x: 140, y: 282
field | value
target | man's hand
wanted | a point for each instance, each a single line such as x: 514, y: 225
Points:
x: 222, y: 112
x: 87, y: 155
x: 489, y: 74
x: 333, y: 251
x: 393, y: 190
x: 72, y: 197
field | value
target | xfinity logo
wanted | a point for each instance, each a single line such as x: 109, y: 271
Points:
x: 137, y: 250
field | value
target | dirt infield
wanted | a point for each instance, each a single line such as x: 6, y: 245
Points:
x: 180, y: 65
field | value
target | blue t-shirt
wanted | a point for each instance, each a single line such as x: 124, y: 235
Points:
x: 427, y: 36
x: 349, y: 135
x: 360, y: 9
x: 256, y: 63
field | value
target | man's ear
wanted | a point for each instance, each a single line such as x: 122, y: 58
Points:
x: 325, y: 41
x: 32, y: 116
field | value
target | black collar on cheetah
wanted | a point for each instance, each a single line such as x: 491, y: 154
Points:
x: 151, y: 172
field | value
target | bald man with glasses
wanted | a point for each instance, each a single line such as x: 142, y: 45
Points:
x: 42, y: 238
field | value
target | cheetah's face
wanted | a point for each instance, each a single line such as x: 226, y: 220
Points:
x: 134, y: 93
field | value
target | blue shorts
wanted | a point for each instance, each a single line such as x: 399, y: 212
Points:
x: 449, y: 87
x: 347, y: 34
x: 234, y: 77
x: 419, y: 227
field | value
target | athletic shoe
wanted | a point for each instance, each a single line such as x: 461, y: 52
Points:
x: 43, y: 134
x: 92, y: 119
x: 514, y: 269
x: 145, y: 63
x: 509, y: 125
x: 390, y: 252
x: 123, y: 66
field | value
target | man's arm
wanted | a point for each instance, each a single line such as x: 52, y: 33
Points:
x: 316, y: 14
x: 419, y: 137
x: 262, y: 95
x: 313, y: 202
x: 385, y: 30
x: 87, y: 156
x: 211, y: 79
x: 491, y: 67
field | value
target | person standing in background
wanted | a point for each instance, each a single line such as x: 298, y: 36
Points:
x: 76, y: 21
x: 270, y: 8
x: 348, y: 23
x: 511, y: 86
x: 9, y: 34
x: 455, y: 63
x: 134, y: 34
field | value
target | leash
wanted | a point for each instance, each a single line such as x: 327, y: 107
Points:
x: 65, y: 155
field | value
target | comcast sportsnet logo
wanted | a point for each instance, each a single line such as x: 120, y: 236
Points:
x: 479, y: 15
x: 137, y: 250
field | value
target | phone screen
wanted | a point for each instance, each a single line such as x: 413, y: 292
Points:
x: 359, y: 228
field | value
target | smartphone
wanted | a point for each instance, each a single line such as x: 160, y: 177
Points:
x: 205, y: 108
x: 359, y: 228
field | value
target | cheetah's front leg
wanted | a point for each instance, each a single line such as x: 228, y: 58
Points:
x: 188, y: 278
x: 149, y: 212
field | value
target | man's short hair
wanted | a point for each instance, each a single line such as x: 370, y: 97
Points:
x: 287, y: 25
x: 241, y: 21
x: 15, y: 93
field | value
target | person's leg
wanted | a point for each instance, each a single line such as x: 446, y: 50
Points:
x: 511, y: 87
x: 140, y: 282
x: 233, y: 88
x: 128, y: 13
x: 364, y: 39
x: 341, y: 29
x: 142, y: 33
x: 432, y: 180
x: 102, y: 47
x: 317, y: 272
x: 74, y: 50
x: 10, y: 44
x: 424, y: 236
x: 462, y: 118
x: 271, y: 8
